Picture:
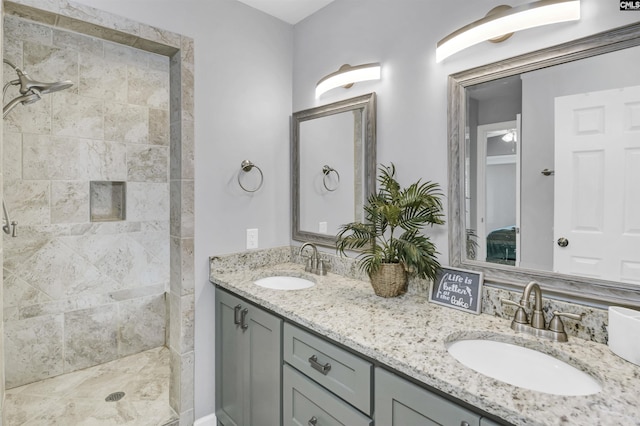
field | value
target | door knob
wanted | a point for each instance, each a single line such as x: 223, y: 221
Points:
x: 563, y: 242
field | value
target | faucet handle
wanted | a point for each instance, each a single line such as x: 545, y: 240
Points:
x: 520, y: 315
x: 556, y: 323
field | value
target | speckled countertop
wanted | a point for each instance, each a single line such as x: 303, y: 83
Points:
x: 408, y: 334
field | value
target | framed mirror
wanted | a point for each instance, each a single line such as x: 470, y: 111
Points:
x: 544, y: 169
x: 333, y: 162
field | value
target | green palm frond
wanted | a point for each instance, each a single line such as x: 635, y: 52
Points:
x: 392, y: 208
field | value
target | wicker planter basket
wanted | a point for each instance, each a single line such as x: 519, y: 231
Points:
x: 390, y: 280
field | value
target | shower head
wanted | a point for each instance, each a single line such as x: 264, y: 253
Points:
x: 24, y: 100
x: 27, y: 84
x: 30, y: 90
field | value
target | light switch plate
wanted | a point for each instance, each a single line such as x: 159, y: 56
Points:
x: 322, y: 227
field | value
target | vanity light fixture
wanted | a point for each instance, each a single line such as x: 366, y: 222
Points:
x: 502, y: 21
x: 346, y: 76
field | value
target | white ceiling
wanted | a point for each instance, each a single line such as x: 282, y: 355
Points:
x: 291, y: 11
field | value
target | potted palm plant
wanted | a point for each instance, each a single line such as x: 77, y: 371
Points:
x: 390, y: 239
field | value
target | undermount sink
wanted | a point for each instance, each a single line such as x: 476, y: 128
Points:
x: 523, y: 367
x: 284, y: 283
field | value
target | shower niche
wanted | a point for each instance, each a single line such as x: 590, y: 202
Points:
x: 107, y: 201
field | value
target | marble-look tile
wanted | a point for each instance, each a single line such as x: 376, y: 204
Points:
x: 17, y: 292
x: 31, y: 118
x: 28, y: 200
x: 69, y: 201
x: 187, y: 87
x: 102, y: 79
x: 182, y: 205
x: 147, y: 163
x: 24, y: 30
x: 22, y: 408
x: 137, y: 292
x: 156, y: 242
x: 13, y: 52
x: 12, y: 156
x: 182, y: 150
x: 187, y: 381
x: 66, y: 158
x: 51, y: 6
x: 30, y: 339
x: 182, y: 266
x: 148, y: 88
x: 61, y: 273
x: 175, y: 161
x: 48, y: 308
x: 159, y: 35
x: 125, y: 55
x: 90, y: 337
x: 78, y: 42
x: 77, y: 116
x: 126, y: 123
x: 159, y: 127
x: 18, y: 250
x: 47, y: 63
x: 142, y: 323
x: 99, y: 17
x: 147, y: 201
x: 182, y: 322
x: 187, y: 139
x: 158, y: 62
x: 120, y: 258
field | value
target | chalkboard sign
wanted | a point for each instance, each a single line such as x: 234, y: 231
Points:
x: 457, y: 289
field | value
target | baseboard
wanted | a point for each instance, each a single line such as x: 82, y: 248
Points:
x: 209, y: 420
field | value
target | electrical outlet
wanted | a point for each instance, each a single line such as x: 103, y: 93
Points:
x: 322, y: 227
x: 252, y: 238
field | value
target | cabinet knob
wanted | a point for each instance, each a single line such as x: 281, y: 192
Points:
x: 563, y: 242
x: 464, y: 423
x: 312, y: 421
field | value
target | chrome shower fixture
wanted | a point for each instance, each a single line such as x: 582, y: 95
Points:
x: 30, y: 90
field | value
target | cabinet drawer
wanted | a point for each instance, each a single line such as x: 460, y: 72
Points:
x: 306, y: 403
x: 402, y: 403
x: 343, y: 373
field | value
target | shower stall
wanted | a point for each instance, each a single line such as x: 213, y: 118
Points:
x: 97, y: 262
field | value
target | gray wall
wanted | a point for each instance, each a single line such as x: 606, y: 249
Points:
x: 250, y: 54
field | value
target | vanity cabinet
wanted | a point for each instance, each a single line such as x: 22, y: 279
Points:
x: 248, y: 363
x: 401, y: 403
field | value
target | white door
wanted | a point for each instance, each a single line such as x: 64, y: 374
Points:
x: 498, y: 189
x: 597, y: 184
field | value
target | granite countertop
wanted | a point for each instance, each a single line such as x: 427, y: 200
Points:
x: 408, y: 334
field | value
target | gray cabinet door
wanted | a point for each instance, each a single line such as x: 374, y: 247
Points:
x: 248, y: 363
x: 263, y: 369
x: 305, y: 403
x: 229, y: 406
x: 402, y: 403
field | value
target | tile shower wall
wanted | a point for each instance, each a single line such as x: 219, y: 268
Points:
x: 79, y: 293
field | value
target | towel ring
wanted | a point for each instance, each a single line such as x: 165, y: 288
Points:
x: 246, y: 167
x: 327, y: 170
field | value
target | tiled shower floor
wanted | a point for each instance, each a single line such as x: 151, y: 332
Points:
x: 78, y: 398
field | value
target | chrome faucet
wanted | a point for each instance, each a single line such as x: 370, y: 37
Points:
x: 537, y: 326
x: 314, y: 264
